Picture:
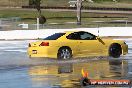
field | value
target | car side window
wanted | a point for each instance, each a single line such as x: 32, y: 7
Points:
x: 81, y: 36
x: 73, y: 36
x: 87, y: 36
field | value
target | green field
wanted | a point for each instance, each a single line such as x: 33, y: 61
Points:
x: 64, y: 19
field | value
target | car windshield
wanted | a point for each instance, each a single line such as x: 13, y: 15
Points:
x: 54, y: 36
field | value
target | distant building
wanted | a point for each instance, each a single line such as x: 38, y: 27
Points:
x: 73, y: 3
x: 90, y: 1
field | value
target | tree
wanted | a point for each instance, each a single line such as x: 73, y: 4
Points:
x: 37, y: 5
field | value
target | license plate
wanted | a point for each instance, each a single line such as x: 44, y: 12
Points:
x: 34, y: 51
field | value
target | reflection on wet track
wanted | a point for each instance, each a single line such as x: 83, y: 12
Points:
x: 18, y: 71
x: 68, y: 75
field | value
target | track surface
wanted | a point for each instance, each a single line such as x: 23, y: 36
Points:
x: 18, y: 71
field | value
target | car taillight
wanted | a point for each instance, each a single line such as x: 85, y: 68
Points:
x: 29, y: 45
x: 44, y: 44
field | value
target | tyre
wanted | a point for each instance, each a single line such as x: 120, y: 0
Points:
x: 64, y: 53
x: 115, y: 51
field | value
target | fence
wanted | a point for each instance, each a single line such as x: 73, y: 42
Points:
x: 8, y: 23
x: 15, y: 23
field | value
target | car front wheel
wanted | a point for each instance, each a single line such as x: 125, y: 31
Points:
x: 115, y: 50
x: 64, y: 53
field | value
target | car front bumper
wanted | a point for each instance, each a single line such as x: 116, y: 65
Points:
x: 124, y: 49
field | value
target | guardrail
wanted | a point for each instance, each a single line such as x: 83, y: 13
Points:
x: 85, y: 8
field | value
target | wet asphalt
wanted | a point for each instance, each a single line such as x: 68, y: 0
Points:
x: 17, y: 70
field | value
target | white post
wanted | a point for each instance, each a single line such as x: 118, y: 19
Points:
x: 126, y: 23
x: 0, y: 22
x: 37, y: 23
x: 79, y: 5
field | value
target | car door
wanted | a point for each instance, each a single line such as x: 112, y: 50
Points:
x: 89, y: 45
x: 73, y: 41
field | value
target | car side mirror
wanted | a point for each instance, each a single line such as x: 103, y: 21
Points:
x: 100, y: 40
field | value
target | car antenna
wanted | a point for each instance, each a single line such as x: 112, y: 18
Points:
x: 98, y: 32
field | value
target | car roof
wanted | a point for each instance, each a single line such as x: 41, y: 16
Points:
x: 73, y: 31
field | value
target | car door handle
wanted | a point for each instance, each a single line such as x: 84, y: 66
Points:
x: 81, y: 42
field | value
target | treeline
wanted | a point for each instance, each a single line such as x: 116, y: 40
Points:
x: 57, y: 3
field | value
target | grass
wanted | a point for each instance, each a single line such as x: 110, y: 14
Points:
x: 62, y: 18
x: 109, y: 4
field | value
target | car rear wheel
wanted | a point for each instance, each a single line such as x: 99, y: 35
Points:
x: 115, y: 50
x: 64, y: 53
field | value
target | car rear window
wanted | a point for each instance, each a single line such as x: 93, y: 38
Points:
x: 54, y: 36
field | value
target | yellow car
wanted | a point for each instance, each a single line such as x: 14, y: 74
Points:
x: 74, y: 44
